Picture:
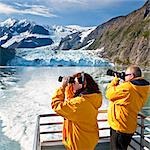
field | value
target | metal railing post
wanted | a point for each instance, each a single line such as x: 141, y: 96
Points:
x: 37, y: 145
x: 142, y: 133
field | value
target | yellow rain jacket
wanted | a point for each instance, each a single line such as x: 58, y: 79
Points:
x: 126, y: 100
x: 80, y: 130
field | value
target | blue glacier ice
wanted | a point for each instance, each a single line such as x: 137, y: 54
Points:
x: 47, y: 57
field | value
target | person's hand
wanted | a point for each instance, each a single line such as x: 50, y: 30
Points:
x: 115, y: 81
x: 64, y: 82
x: 69, y: 91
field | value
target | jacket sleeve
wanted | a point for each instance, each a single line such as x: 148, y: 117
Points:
x: 63, y: 107
x: 118, y: 93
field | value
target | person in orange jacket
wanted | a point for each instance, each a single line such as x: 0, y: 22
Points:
x: 78, y: 103
x: 126, y: 100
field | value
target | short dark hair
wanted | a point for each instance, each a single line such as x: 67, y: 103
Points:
x: 136, y: 70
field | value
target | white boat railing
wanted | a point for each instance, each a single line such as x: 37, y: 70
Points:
x: 140, y: 140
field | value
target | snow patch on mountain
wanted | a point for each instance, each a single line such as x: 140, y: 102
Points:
x: 86, y: 33
x: 14, y: 33
x: 8, y: 23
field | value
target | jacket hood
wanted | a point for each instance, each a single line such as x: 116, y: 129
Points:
x: 140, y: 82
x: 141, y: 86
x: 94, y: 99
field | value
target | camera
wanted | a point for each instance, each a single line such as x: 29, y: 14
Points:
x: 120, y: 75
x: 69, y: 80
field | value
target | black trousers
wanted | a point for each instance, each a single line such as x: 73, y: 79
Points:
x: 118, y: 140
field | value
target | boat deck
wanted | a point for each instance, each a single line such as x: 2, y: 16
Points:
x: 59, y: 146
x: 53, y: 128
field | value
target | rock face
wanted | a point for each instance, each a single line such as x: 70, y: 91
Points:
x: 31, y: 42
x: 6, y: 55
x: 126, y: 39
x: 74, y: 40
x: 70, y: 42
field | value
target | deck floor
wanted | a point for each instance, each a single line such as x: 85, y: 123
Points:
x: 99, y: 146
x: 59, y: 146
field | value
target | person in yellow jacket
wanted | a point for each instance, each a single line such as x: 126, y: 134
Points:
x: 126, y: 100
x: 78, y: 103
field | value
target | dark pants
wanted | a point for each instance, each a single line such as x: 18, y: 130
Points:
x: 118, y: 140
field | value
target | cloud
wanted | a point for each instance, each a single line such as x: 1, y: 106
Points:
x: 66, y: 5
x: 39, y: 10
x: 6, y: 9
x: 82, y: 4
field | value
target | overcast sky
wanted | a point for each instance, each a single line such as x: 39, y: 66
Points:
x: 67, y: 12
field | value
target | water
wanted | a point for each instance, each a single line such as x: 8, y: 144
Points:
x: 25, y: 92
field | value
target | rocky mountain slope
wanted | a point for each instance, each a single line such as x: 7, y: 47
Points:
x: 125, y: 39
x: 74, y: 40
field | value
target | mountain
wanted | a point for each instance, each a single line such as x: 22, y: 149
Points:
x: 6, y: 55
x: 124, y: 39
x: 74, y: 40
x: 25, y: 34
x: 36, y: 45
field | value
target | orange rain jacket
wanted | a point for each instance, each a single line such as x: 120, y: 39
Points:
x: 126, y: 100
x: 80, y: 130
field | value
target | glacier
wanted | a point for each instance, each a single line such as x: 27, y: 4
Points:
x: 47, y: 57
x: 46, y: 53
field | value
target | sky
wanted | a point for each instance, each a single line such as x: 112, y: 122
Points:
x: 67, y: 12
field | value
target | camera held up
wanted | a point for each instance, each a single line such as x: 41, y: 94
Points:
x: 69, y: 79
x: 120, y: 75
